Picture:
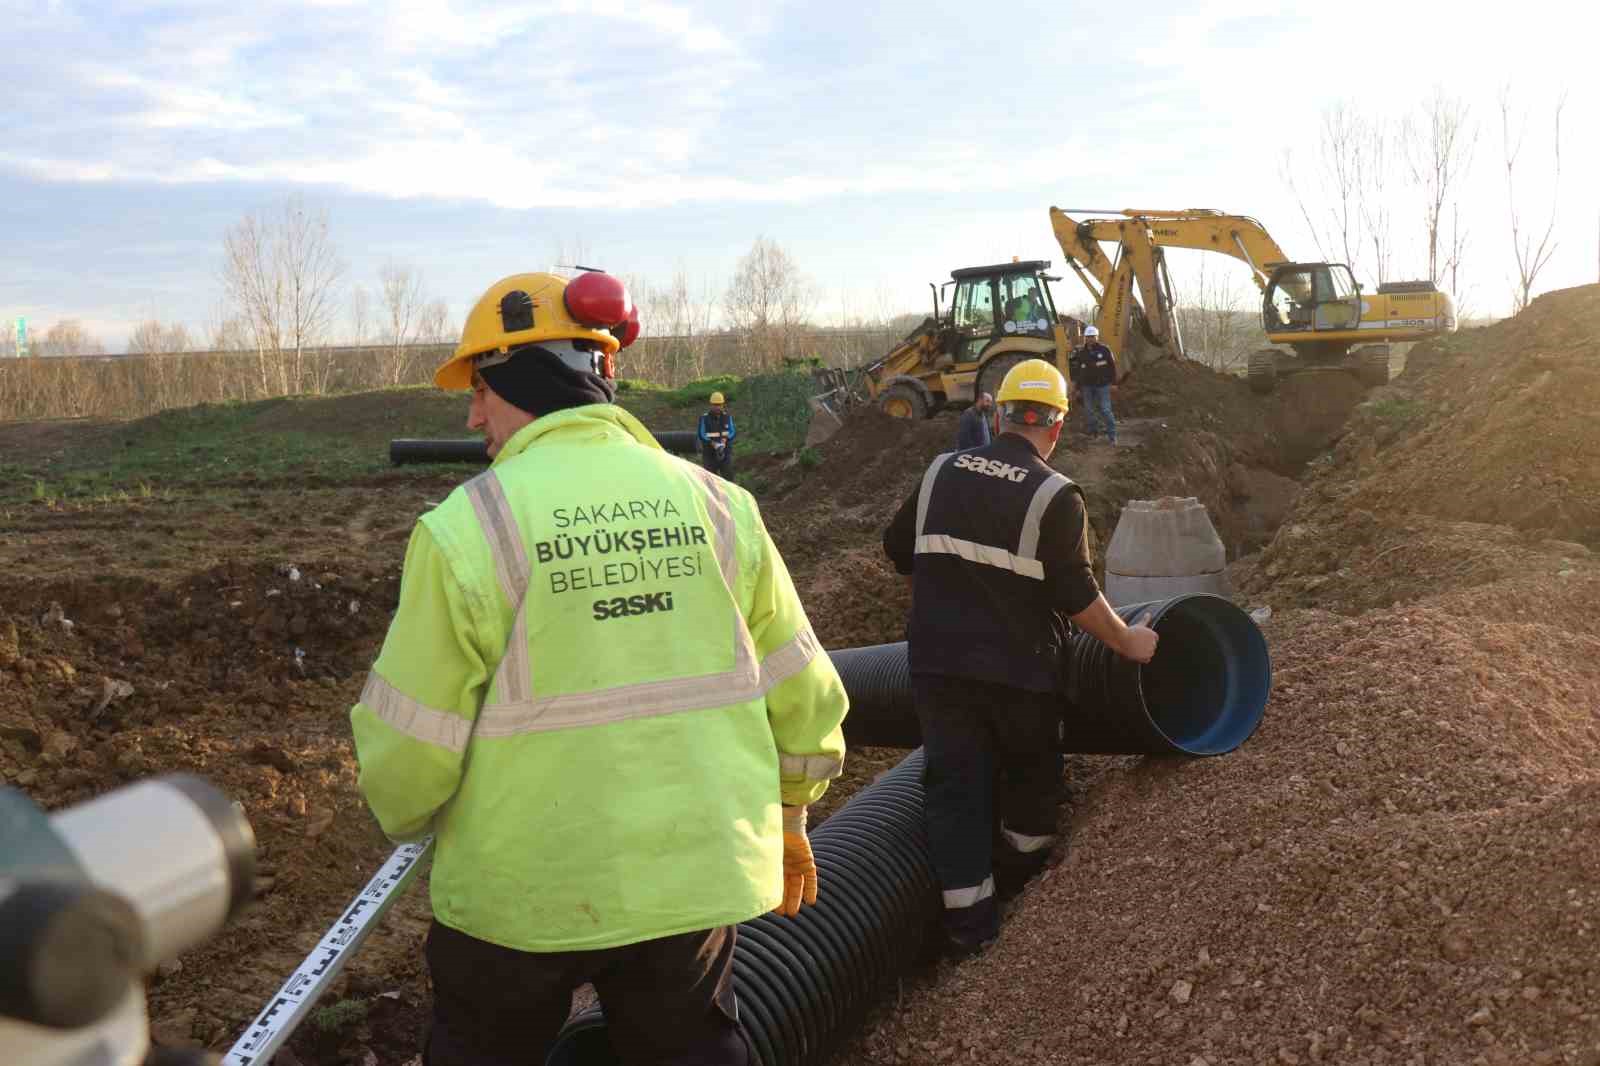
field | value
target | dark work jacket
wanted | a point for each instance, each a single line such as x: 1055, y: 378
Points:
x: 715, y: 422
x: 998, y: 545
x: 1097, y: 366
x: 973, y: 431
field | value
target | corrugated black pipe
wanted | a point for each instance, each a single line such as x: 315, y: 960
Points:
x: 804, y: 982
x: 878, y: 681
x: 1203, y: 694
x: 473, y: 450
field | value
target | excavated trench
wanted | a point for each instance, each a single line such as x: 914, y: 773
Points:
x: 175, y: 662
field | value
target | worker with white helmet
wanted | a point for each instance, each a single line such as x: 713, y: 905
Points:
x: 1095, y: 373
x: 716, y: 433
x: 601, y: 695
x: 996, y: 545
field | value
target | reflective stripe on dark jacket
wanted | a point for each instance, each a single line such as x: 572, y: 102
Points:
x: 1099, y: 366
x: 717, y: 422
x: 998, y: 543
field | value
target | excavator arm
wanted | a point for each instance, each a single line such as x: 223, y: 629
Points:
x: 1211, y: 231
x: 1139, y: 262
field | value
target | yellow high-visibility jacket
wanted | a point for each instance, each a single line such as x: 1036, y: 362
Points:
x: 597, y: 689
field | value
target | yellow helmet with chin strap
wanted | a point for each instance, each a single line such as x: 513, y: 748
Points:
x: 716, y: 399
x: 530, y: 308
x: 1033, y: 381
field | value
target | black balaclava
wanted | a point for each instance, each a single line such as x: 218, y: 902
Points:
x: 536, y: 380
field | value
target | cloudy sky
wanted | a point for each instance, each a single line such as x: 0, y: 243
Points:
x: 882, y: 144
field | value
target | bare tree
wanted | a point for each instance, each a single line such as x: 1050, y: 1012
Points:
x: 254, y: 291
x: 1373, y: 160
x: 400, y: 289
x: 676, y: 319
x: 360, y: 315
x: 1439, y: 142
x: 280, y: 276
x: 434, y: 326
x: 311, y: 269
x: 767, y: 303
x: 1344, y: 195
x: 1531, y: 257
x: 68, y: 337
x: 1218, y: 328
x: 153, y: 337
x: 229, y: 333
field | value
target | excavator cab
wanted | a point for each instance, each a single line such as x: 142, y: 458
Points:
x: 1311, y: 297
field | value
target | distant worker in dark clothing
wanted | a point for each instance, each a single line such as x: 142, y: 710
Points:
x: 996, y: 545
x: 1097, y: 374
x: 716, y: 439
x: 974, y: 429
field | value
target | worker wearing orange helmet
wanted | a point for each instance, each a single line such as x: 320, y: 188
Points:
x: 996, y: 545
x: 601, y: 695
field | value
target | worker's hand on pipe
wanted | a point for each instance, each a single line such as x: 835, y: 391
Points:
x: 1138, y: 641
x: 799, y: 866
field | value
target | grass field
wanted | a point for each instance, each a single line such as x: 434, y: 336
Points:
x: 310, y: 440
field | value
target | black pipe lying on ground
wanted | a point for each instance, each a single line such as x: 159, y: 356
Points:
x: 803, y: 982
x: 472, y: 450
x: 1203, y: 694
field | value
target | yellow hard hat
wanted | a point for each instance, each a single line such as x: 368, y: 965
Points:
x: 716, y: 397
x: 528, y: 308
x: 1034, y: 381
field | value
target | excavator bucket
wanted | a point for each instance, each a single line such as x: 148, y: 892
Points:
x: 830, y: 405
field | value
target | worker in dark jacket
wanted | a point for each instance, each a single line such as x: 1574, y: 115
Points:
x: 973, y: 431
x: 1096, y: 376
x: 996, y: 546
x: 716, y: 438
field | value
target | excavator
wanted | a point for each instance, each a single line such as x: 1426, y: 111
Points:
x: 1317, y: 309
x: 997, y: 317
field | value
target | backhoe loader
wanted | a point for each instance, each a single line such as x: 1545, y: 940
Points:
x: 997, y: 317
x: 1317, y: 309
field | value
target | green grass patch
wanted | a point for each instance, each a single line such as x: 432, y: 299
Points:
x: 337, y: 438
x: 293, y: 438
x: 1396, y: 409
x: 698, y: 393
x: 337, y: 1017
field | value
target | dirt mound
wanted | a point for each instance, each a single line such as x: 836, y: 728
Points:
x: 829, y: 523
x: 1476, y: 463
x: 107, y: 681
x: 1397, y: 869
x: 1506, y: 429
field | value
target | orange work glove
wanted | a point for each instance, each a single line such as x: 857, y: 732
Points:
x: 799, y: 866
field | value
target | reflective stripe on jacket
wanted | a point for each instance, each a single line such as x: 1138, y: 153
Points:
x: 997, y: 542
x: 597, y: 689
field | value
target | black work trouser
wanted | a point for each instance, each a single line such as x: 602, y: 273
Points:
x: 717, y: 464
x: 668, y: 1002
x: 992, y: 782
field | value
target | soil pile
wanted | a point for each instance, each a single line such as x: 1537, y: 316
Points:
x: 1477, y: 463
x: 1398, y: 868
x: 242, y: 674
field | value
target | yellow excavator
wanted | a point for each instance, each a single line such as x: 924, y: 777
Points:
x: 1317, y: 309
x: 997, y: 317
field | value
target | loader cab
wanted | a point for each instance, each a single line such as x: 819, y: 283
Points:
x: 1311, y: 298
x: 992, y: 303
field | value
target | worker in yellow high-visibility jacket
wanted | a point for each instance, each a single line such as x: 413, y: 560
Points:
x: 601, y: 694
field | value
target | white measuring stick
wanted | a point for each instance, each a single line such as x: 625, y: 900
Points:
x: 274, y: 1025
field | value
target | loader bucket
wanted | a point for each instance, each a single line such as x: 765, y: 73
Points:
x: 828, y: 407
